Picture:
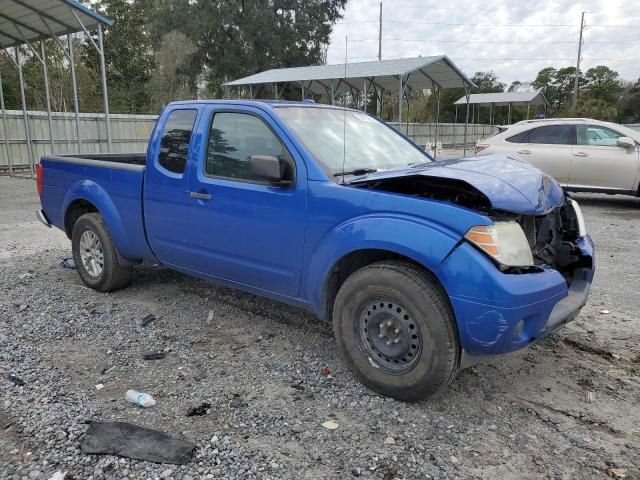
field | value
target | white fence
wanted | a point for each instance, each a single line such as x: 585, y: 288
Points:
x: 449, y: 134
x: 130, y: 134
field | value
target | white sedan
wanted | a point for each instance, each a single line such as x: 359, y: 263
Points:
x: 580, y: 153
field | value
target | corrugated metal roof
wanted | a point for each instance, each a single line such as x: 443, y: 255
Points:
x: 422, y: 72
x: 32, y: 20
x: 502, y: 99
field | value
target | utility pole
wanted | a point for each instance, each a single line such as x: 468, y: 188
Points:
x: 380, y: 36
x: 575, y: 85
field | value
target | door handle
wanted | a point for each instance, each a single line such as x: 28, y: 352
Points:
x: 580, y: 154
x: 201, y: 196
x: 524, y: 152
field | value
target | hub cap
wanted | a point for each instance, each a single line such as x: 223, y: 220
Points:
x: 91, y: 253
x: 389, y: 336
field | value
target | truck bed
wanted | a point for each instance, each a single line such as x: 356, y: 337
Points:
x: 119, y: 158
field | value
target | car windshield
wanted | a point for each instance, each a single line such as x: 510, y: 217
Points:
x: 365, y: 144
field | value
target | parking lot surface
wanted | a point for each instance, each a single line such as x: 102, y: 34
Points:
x: 270, y: 376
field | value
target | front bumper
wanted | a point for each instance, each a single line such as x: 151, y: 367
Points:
x: 498, y: 313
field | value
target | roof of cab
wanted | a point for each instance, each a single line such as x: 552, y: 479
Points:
x: 253, y: 103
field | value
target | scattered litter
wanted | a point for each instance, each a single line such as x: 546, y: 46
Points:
x: 69, y: 263
x: 107, y: 369
x: 148, y: 319
x: 389, y: 441
x: 200, y: 410
x: 17, y: 380
x: 616, y: 472
x: 131, y: 441
x: 58, y: 475
x: 99, y: 386
x: 454, y: 459
x: 210, y: 316
x: 325, y: 372
x: 330, y: 425
x: 140, y: 399
x: 23, y: 307
x: 590, y: 396
x: 616, y: 356
x: 238, y: 402
x: 154, y: 355
x: 297, y: 428
x: 604, y: 312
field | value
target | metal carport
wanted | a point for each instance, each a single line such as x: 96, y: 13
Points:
x: 404, y: 74
x: 24, y: 22
x: 502, y: 99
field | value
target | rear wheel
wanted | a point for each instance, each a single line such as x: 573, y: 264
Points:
x: 394, y: 326
x: 95, y: 255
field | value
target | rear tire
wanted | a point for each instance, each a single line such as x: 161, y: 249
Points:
x: 95, y: 255
x: 394, y: 326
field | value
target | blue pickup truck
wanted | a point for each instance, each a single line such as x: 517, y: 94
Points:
x: 423, y: 267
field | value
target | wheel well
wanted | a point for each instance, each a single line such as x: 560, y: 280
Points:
x: 349, y: 264
x: 74, y: 212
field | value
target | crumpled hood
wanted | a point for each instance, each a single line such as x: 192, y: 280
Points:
x: 509, y: 182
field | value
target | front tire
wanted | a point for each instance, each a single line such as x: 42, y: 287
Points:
x: 394, y: 326
x: 95, y: 255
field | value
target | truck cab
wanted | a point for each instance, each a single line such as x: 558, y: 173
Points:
x: 423, y: 267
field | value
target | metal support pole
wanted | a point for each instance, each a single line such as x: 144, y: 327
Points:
x: 251, y: 91
x: 6, y: 133
x: 365, y: 97
x: 466, y: 121
x: 47, y: 93
x: 437, y: 93
x: 275, y: 91
x: 400, y: 94
x: 302, y: 90
x: 455, y: 128
x: 333, y: 94
x: 27, y: 128
x: 528, y: 105
x: 509, y: 119
x: 105, y: 94
x: 75, y: 90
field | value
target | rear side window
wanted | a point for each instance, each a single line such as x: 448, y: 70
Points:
x: 552, y: 135
x: 233, y: 139
x: 174, y: 144
x: 519, y: 138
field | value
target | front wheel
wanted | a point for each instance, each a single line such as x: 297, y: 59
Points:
x: 95, y: 255
x: 395, y: 329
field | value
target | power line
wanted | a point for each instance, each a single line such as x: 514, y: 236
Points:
x: 496, y: 25
x: 493, y: 42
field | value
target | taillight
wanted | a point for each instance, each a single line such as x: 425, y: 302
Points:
x: 39, y: 179
x: 480, y: 147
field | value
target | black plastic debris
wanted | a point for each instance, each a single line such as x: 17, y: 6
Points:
x: 131, y: 441
x: 154, y: 355
x: 17, y: 380
x: 106, y: 370
x: 69, y: 263
x: 199, y: 411
x: 148, y: 319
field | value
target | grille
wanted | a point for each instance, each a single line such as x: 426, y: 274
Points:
x: 528, y: 225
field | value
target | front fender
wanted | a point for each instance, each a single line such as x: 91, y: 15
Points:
x: 93, y: 193
x: 422, y: 241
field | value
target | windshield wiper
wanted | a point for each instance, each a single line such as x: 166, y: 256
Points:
x: 356, y: 171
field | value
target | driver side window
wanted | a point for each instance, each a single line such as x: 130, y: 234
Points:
x: 596, y: 136
x: 233, y: 139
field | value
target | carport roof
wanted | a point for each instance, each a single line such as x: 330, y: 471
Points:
x: 502, y: 99
x: 24, y: 21
x: 417, y: 73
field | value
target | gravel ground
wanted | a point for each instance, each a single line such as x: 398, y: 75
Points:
x: 524, y: 415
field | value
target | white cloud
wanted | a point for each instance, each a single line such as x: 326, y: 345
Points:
x: 513, y: 52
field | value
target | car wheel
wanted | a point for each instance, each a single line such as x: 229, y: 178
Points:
x: 395, y: 329
x: 95, y: 255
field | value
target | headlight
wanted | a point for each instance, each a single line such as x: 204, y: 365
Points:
x: 505, y: 242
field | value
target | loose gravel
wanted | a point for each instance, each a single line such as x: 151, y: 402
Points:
x: 269, y: 376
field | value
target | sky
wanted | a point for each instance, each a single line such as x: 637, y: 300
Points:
x: 514, y: 38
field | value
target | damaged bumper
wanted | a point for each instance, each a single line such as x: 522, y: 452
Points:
x: 498, y: 313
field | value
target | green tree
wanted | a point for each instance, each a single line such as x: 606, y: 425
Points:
x: 128, y: 56
x: 487, y: 82
x: 602, y: 83
x: 630, y: 104
x: 557, y: 86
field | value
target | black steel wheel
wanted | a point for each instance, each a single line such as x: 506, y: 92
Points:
x: 394, y: 326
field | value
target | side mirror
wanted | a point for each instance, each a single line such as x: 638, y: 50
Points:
x: 269, y: 168
x: 626, y: 143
